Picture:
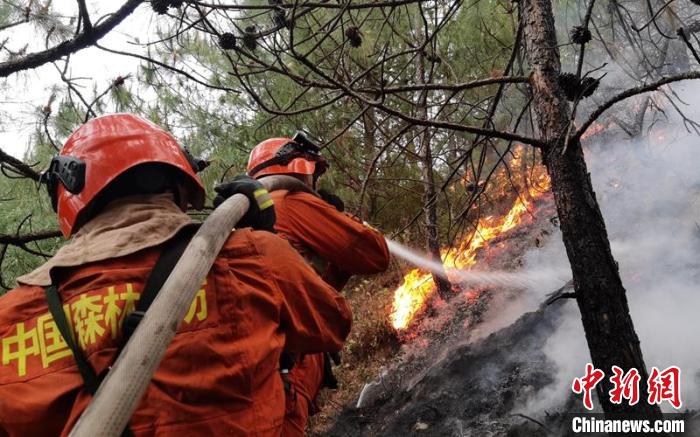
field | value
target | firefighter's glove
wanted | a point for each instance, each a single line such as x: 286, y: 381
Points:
x: 261, y: 214
x: 332, y: 199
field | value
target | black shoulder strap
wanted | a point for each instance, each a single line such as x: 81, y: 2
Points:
x: 169, y: 256
x: 172, y: 251
x: 56, y: 308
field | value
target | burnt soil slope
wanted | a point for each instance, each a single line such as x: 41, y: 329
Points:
x: 469, y: 392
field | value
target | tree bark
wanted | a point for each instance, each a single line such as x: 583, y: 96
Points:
x: 432, y: 240
x: 600, y: 294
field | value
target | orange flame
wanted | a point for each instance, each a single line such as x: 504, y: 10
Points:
x: 417, y: 285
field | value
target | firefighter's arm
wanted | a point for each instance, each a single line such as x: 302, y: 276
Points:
x: 315, y: 317
x: 335, y: 236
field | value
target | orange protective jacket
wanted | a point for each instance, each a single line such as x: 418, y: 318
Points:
x: 219, y: 376
x: 338, y: 246
x: 335, y: 243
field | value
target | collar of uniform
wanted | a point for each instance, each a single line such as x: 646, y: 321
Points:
x: 125, y: 226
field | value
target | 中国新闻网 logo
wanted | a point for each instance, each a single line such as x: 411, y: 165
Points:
x: 662, y: 385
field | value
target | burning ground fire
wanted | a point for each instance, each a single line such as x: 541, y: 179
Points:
x: 418, y: 285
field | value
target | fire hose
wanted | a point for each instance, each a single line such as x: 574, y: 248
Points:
x: 120, y: 392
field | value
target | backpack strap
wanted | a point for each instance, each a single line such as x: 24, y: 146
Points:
x: 53, y: 299
x: 169, y: 256
x: 172, y: 251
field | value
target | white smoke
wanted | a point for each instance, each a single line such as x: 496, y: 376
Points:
x: 649, y: 193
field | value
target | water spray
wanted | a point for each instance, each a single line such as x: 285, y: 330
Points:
x: 542, y: 278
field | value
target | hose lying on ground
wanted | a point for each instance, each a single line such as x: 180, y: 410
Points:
x: 122, y: 389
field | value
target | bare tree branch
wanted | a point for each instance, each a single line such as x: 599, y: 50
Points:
x: 339, y: 5
x: 18, y: 166
x: 84, y: 39
x: 630, y: 93
x: 84, y: 16
x: 20, y: 240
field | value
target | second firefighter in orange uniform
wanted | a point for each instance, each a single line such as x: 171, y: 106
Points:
x: 334, y: 243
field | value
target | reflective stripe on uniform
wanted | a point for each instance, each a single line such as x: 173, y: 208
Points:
x: 263, y: 198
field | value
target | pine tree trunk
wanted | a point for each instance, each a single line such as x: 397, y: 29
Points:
x: 601, y: 297
x: 430, y: 210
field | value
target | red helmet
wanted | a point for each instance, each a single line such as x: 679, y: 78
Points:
x: 286, y: 155
x: 106, y: 147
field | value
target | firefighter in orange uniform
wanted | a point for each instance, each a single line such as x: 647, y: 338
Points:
x: 334, y: 243
x: 120, y: 188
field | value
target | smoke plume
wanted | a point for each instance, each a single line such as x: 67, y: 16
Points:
x: 649, y: 193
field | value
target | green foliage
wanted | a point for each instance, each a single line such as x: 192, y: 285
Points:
x: 379, y: 180
x: 6, y: 12
x: 26, y: 204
